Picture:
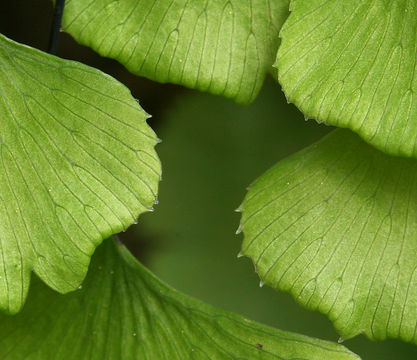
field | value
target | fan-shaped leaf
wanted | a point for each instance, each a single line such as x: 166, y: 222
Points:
x: 335, y: 226
x: 124, y: 312
x: 222, y: 46
x: 353, y: 64
x: 76, y: 164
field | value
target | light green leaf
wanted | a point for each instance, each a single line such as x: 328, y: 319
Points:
x: 77, y: 164
x: 225, y: 47
x: 123, y: 312
x: 353, y: 64
x: 335, y: 226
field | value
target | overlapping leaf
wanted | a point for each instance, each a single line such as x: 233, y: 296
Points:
x: 76, y: 164
x: 124, y: 312
x: 222, y: 46
x: 335, y: 225
x: 353, y: 64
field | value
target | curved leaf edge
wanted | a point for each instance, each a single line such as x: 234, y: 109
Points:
x: 97, y: 242
x: 368, y: 333
x: 182, y: 298
x: 308, y: 116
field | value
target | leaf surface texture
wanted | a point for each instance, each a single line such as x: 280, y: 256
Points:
x: 335, y: 226
x: 353, y: 64
x: 123, y: 312
x: 77, y: 164
x: 225, y: 47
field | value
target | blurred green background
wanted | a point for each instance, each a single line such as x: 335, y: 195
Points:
x: 212, y: 150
